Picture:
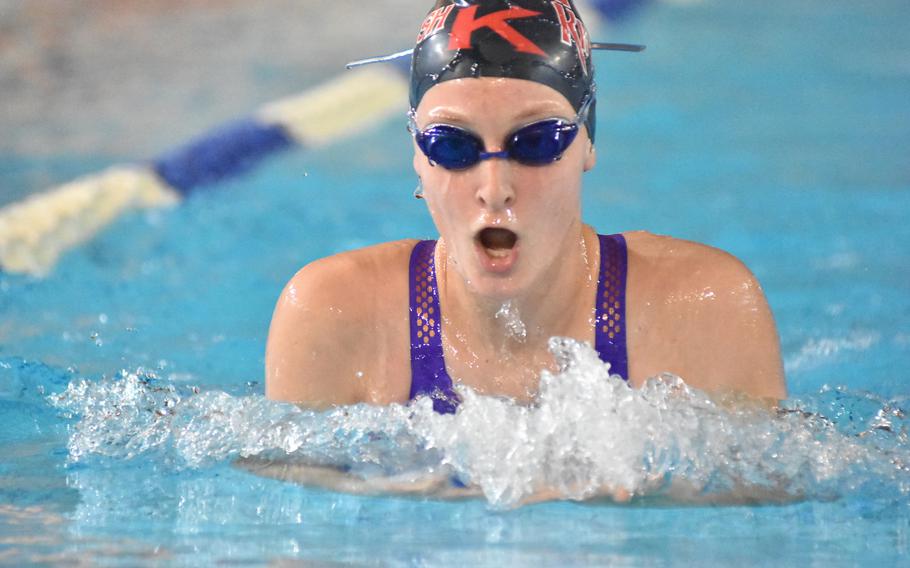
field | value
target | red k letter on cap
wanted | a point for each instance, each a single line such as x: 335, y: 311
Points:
x: 466, y: 24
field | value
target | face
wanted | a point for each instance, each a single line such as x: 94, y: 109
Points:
x: 505, y: 225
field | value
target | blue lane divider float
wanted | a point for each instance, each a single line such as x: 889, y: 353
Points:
x: 36, y: 231
x: 615, y: 10
x: 225, y: 152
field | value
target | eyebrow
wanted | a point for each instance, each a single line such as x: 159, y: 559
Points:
x: 545, y: 108
x: 457, y: 117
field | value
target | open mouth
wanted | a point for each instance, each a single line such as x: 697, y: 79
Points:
x: 497, y: 243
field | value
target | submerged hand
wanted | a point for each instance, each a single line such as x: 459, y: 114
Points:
x: 326, y: 477
x: 613, y: 494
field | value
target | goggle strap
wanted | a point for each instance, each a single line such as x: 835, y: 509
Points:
x: 600, y: 46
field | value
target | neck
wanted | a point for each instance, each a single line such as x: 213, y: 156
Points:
x: 549, y: 306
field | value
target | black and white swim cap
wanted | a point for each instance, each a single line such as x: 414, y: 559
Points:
x: 537, y: 40
x: 544, y: 41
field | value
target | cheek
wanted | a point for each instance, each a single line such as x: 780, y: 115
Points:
x: 444, y: 199
x: 558, y: 212
x: 556, y: 188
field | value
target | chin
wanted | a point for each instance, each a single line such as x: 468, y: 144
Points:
x: 497, y: 287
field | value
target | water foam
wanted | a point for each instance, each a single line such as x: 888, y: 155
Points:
x: 586, y: 435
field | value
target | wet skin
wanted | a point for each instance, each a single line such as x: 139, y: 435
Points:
x: 340, y: 332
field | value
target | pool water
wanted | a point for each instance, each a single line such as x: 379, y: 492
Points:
x: 131, y: 377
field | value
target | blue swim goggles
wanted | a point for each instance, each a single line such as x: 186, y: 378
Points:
x: 537, y: 144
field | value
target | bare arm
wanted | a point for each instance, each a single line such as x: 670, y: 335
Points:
x: 699, y: 313
x: 305, y: 360
x: 740, y: 349
x: 339, y: 332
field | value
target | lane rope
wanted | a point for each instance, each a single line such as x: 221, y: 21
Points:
x: 36, y: 231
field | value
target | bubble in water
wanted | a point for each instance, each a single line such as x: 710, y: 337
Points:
x: 511, y: 320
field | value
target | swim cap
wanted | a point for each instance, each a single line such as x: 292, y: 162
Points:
x: 538, y: 40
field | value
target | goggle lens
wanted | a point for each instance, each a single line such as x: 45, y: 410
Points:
x: 542, y: 142
x: 536, y: 144
x: 451, y: 147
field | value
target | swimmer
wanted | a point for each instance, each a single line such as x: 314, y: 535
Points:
x: 503, y: 102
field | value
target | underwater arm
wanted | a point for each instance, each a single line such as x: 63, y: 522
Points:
x: 421, y: 484
x: 680, y: 491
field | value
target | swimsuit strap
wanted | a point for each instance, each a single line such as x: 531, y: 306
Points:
x: 428, y: 367
x: 610, y: 318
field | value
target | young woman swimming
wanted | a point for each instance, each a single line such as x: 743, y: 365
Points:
x: 503, y: 101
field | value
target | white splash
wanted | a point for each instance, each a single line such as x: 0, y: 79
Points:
x: 588, y: 434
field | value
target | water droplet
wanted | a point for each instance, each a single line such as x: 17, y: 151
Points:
x: 511, y: 319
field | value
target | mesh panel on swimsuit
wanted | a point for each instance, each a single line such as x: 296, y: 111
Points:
x: 610, y: 315
x: 428, y: 368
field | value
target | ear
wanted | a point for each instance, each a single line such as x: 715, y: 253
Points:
x: 590, y: 157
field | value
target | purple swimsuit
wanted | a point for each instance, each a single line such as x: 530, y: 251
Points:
x: 428, y: 366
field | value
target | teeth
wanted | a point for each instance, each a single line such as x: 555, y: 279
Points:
x: 498, y: 253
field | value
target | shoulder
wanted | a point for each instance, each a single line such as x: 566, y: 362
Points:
x: 725, y: 337
x: 690, y: 262
x: 330, y: 324
x: 692, y: 274
x: 344, y: 276
x: 337, y: 291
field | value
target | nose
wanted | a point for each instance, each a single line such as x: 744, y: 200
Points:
x: 494, y: 184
